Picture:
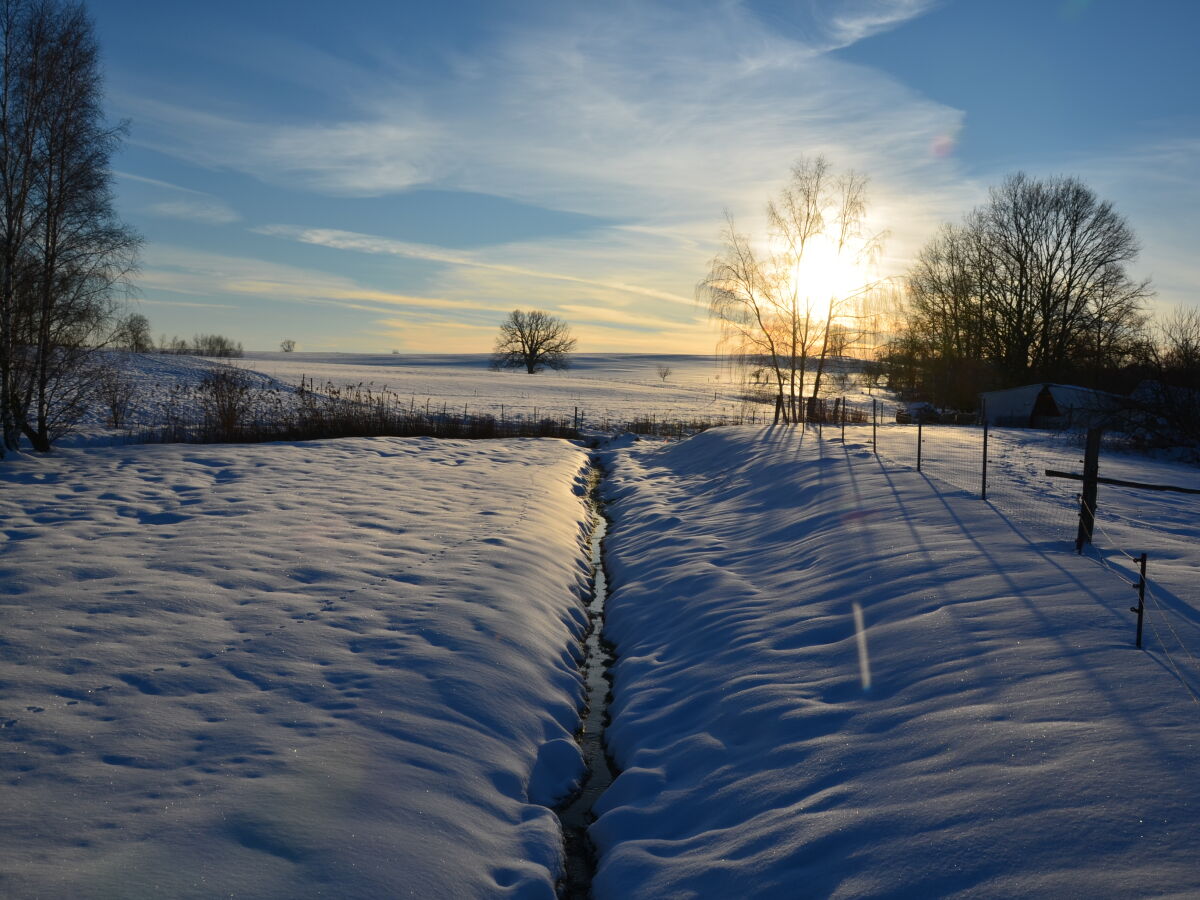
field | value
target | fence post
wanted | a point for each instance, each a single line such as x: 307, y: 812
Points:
x: 1140, y: 609
x: 576, y: 420
x: 919, y: 427
x: 1087, y: 501
x: 843, y: 420
x: 983, y: 486
x: 874, y: 426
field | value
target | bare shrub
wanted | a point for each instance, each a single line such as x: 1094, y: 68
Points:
x: 224, y: 399
x: 117, y: 391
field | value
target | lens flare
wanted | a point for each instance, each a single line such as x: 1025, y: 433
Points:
x: 864, y: 660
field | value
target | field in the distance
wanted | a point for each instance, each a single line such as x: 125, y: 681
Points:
x: 603, y: 388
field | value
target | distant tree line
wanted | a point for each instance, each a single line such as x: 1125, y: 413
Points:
x: 214, y: 345
x: 132, y: 333
x: 64, y: 255
x: 1031, y: 286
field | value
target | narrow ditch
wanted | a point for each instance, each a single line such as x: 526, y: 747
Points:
x: 576, y: 814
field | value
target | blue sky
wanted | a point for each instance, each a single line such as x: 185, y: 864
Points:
x: 369, y: 176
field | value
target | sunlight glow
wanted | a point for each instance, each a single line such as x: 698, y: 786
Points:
x: 823, y: 274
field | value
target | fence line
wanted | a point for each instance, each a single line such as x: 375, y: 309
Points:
x: 957, y: 455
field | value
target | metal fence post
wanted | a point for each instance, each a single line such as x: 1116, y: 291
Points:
x: 875, y: 426
x: 843, y: 420
x: 919, y: 426
x: 1140, y: 609
x: 983, y: 485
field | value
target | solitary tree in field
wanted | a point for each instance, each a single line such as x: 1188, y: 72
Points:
x: 287, y: 346
x: 535, y: 340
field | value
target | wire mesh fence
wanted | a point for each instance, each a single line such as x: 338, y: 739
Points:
x: 1008, y: 470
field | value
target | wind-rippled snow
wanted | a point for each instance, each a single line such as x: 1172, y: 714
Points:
x: 1011, y: 741
x: 341, y: 668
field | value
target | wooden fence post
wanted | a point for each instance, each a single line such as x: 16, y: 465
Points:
x: 1087, y: 501
x: 919, y: 426
x: 875, y: 426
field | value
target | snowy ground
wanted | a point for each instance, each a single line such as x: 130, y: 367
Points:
x: 338, y: 669
x: 347, y: 668
x: 1129, y: 521
x: 613, y: 389
x: 991, y: 732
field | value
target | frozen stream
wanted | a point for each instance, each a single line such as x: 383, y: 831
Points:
x: 577, y: 815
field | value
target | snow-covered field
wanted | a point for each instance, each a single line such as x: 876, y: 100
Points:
x: 349, y: 668
x: 615, y: 388
x: 988, y: 730
x: 340, y: 669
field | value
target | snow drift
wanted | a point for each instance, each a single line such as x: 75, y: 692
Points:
x: 344, y: 668
x: 992, y: 732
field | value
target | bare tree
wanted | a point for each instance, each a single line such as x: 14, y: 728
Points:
x: 63, y: 253
x: 1170, y: 400
x: 534, y: 340
x: 287, y: 346
x: 132, y: 333
x: 778, y: 310
x: 1032, y: 286
x: 663, y: 370
x: 224, y: 396
x: 117, y: 390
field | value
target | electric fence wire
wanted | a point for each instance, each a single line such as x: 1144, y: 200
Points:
x: 1163, y: 611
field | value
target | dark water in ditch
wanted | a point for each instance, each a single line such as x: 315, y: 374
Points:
x: 577, y: 814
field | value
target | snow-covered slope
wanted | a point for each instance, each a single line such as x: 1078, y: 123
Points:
x: 336, y: 669
x: 991, y: 732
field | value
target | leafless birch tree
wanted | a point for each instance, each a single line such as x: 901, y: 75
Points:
x: 63, y: 253
x: 777, y: 308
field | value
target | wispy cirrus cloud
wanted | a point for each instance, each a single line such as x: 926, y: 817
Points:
x: 650, y: 115
x: 183, y: 203
x: 181, y: 270
x: 366, y: 243
x: 207, y: 212
x: 849, y: 21
x: 641, y: 111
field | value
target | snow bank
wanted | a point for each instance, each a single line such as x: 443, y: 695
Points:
x: 342, y: 668
x: 992, y: 731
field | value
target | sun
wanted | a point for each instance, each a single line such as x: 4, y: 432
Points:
x: 823, y: 274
